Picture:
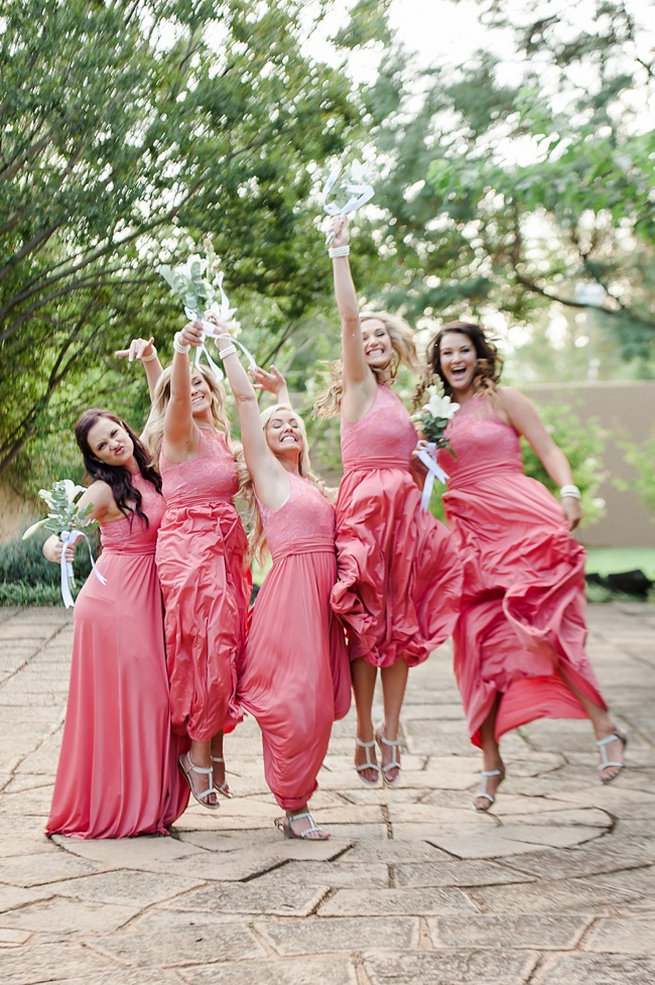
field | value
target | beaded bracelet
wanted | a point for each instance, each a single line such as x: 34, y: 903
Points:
x: 179, y: 346
x: 227, y: 351
x: 153, y: 355
x: 572, y: 491
x: 338, y: 251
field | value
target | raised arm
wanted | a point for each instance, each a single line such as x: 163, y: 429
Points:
x: 144, y: 351
x: 272, y: 381
x: 268, y: 475
x: 524, y: 418
x: 358, y: 381
x: 180, y: 430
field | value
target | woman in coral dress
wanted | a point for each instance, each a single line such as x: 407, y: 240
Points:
x: 200, y: 556
x: 117, y: 773
x: 398, y: 572
x: 294, y: 677
x: 519, y: 641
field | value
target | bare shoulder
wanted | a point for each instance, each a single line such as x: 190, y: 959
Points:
x: 101, y: 497
x: 510, y: 399
x: 521, y: 413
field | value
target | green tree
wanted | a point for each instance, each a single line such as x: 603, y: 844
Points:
x: 130, y: 130
x: 519, y: 190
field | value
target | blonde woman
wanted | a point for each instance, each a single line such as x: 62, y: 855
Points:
x: 294, y: 676
x: 201, y: 552
x: 398, y: 574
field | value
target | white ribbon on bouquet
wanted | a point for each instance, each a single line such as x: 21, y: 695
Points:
x: 68, y: 538
x: 212, y: 331
x: 355, y: 186
x: 426, y: 452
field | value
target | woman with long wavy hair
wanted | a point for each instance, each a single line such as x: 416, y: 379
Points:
x: 117, y: 773
x: 294, y: 676
x: 398, y: 574
x: 201, y: 558
x: 519, y: 641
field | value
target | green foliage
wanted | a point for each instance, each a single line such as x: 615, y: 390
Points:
x: 505, y: 187
x: 146, y: 127
x: 64, y: 514
x: 642, y: 458
x: 24, y: 594
x: 26, y: 578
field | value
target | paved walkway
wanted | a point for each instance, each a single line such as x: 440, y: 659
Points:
x: 557, y: 886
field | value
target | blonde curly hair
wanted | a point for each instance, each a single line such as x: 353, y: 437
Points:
x: 153, y: 433
x: 328, y: 403
x: 256, y: 537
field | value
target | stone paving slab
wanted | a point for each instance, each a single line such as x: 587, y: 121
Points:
x: 555, y: 886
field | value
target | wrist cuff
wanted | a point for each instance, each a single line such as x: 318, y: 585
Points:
x: 339, y: 251
x: 179, y: 346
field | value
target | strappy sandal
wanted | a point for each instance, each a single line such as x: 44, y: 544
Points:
x: 223, y: 787
x: 485, y: 774
x: 394, y: 763
x: 605, y: 761
x: 370, y: 764
x: 201, y: 771
x: 284, y: 825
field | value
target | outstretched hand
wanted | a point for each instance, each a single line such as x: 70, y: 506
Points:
x: 138, y: 349
x: 272, y: 381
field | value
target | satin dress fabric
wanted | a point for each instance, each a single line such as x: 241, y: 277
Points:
x: 522, y: 622
x: 399, y: 575
x: 200, y: 558
x: 295, y: 676
x: 117, y: 775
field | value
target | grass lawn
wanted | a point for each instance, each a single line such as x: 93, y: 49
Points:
x: 611, y: 560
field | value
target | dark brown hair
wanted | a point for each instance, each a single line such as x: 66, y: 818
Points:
x: 117, y: 477
x: 489, y: 364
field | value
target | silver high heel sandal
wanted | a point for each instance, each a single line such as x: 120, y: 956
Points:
x: 222, y: 788
x: 485, y: 774
x: 369, y: 764
x: 605, y: 761
x: 202, y: 771
x: 394, y: 763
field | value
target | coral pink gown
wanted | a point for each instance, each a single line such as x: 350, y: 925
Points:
x: 200, y: 558
x: 523, y: 602
x: 117, y: 773
x: 398, y: 570
x: 295, y: 678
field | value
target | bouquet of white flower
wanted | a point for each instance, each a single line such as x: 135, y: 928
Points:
x: 199, y: 285
x: 65, y: 519
x: 433, y: 419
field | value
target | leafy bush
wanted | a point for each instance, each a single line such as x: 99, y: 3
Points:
x: 582, y: 443
x: 20, y: 593
x: 641, y: 457
x: 26, y: 578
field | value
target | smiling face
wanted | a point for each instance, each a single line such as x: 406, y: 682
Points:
x: 201, y: 395
x: 284, y: 434
x: 377, y: 343
x: 458, y: 360
x: 109, y: 442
